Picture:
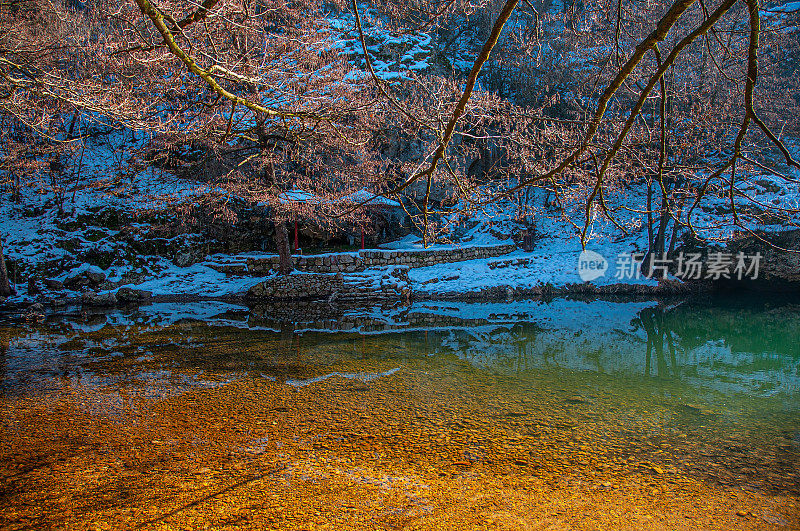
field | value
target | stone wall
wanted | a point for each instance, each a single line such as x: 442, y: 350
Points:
x: 298, y: 286
x: 423, y: 257
x: 327, y: 263
x: 368, y: 258
x: 388, y: 284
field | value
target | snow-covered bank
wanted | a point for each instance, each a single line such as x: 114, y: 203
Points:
x: 555, y: 264
x: 544, y: 272
x: 107, y: 241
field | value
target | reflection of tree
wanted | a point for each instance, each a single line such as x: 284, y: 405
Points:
x: 521, y: 337
x: 745, y: 324
x: 658, y: 333
x: 5, y: 342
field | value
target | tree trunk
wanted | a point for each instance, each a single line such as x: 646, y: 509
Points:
x: 661, y: 235
x: 675, y: 228
x: 285, y: 265
x: 658, y: 244
x: 649, y: 214
x: 5, y: 287
x: 16, y: 192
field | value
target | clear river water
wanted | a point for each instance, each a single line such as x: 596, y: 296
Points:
x: 565, y: 413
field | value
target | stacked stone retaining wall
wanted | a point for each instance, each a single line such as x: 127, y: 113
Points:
x: 390, y: 284
x: 298, y: 286
x: 327, y: 263
x: 369, y: 258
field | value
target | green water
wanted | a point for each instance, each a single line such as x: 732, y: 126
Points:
x: 712, y: 388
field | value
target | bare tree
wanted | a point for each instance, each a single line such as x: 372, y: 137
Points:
x: 264, y: 92
x: 5, y: 286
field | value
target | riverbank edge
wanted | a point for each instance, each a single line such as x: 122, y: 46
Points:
x: 622, y: 291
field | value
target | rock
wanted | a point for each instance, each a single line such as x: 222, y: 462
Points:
x: 95, y: 277
x: 256, y: 291
x: 125, y: 294
x: 53, y: 284
x: 84, y: 277
x: 35, y: 312
x: 183, y: 259
x: 697, y: 410
x: 576, y: 400
x: 775, y: 265
x: 91, y: 298
x: 777, y: 269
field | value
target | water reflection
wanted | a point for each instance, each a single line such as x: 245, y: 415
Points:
x: 659, y: 333
x: 5, y: 342
x: 727, y: 347
x: 698, y: 345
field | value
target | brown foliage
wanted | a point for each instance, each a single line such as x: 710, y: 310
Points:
x: 582, y: 102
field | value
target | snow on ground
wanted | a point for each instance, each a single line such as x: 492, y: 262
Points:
x: 34, y: 235
x: 554, y: 262
x: 196, y: 279
x: 413, y: 242
x: 764, y: 202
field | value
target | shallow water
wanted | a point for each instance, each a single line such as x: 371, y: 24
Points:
x: 107, y: 417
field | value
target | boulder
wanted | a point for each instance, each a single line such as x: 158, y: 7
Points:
x: 53, y: 284
x: 92, y: 298
x: 186, y: 256
x: 84, y: 277
x: 183, y: 259
x: 764, y: 260
x: 95, y: 277
x: 125, y: 295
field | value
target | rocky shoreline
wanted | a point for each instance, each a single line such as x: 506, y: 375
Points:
x: 394, y: 296
x: 374, y: 277
x: 128, y: 297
